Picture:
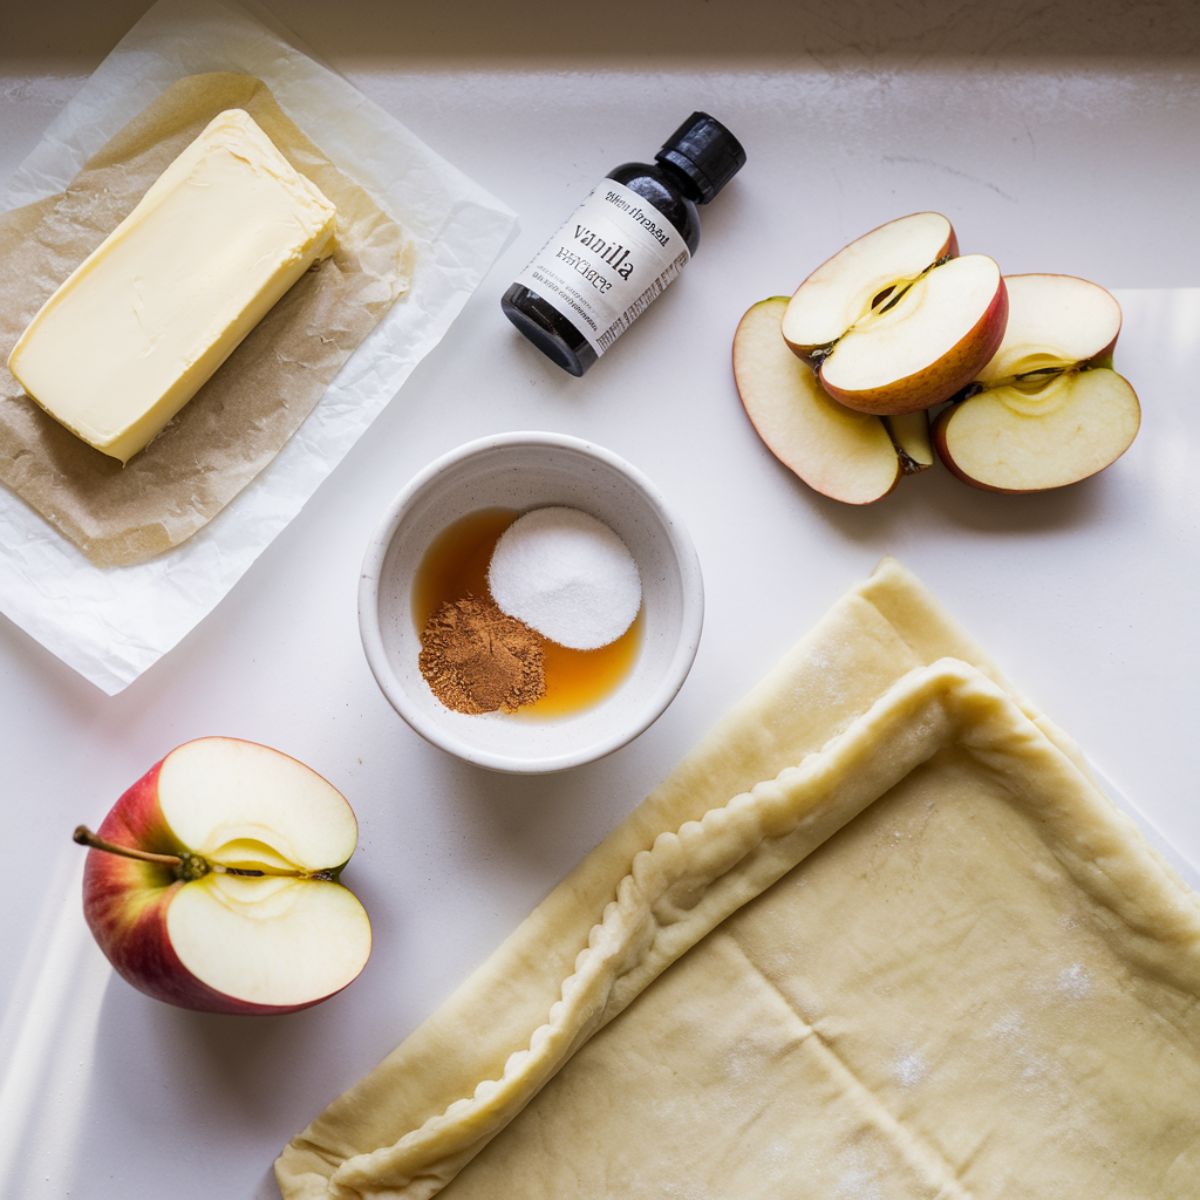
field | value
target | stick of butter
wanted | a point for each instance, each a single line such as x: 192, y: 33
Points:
x: 163, y: 301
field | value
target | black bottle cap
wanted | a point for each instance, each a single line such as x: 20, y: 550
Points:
x: 706, y: 152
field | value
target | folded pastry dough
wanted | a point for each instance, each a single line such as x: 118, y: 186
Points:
x: 879, y: 938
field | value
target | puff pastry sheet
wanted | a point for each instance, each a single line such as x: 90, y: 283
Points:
x: 879, y: 938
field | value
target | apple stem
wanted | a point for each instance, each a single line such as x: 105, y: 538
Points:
x: 85, y: 837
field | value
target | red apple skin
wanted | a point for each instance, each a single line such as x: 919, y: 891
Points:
x: 944, y: 379
x: 125, y: 904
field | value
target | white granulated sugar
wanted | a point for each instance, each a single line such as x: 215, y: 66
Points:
x: 567, y: 576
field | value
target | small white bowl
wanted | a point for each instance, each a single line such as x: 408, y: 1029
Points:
x: 523, y: 471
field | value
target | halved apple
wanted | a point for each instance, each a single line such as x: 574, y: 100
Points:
x: 1047, y: 410
x: 845, y: 455
x: 895, y: 322
x: 212, y: 883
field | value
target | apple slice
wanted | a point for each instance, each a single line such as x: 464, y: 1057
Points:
x: 1054, y: 322
x: 1047, y: 410
x: 863, y: 275
x: 845, y: 455
x: 910, y: 433
x: 895, y: 322
x: 212, y: 883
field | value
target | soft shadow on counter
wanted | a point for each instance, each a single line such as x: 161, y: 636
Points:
x: 243, y: 1084
x: 196, y: 1056
x: 540, y: 821
x: 992, y: 512
x: 376, y: 30
x: 936, y: 495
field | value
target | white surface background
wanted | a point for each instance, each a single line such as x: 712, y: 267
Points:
x: 1080, y: 160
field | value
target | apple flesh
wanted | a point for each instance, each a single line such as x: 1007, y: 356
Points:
x: 847, y: 456
x: 1055, y: 322
x: 1047, y: 410
x: 896, y: 322
x: 212, y: 883
x: 910, y: 434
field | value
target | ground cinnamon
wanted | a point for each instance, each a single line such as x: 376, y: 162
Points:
x: 477, y: 659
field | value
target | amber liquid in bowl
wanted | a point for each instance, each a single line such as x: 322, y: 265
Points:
x: 456, y: 564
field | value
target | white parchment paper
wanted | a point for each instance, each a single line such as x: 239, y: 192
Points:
x: 112, y: 624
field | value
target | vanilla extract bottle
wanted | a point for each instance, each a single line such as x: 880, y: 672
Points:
x: 622, y: 246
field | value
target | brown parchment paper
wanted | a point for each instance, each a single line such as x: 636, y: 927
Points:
x: 243, y: 416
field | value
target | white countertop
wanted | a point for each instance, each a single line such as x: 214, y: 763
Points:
x: 1081, y: 162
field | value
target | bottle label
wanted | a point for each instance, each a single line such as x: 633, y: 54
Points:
x: 605, y: 266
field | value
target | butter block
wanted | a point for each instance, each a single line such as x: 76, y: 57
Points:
x: 162, y: 302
